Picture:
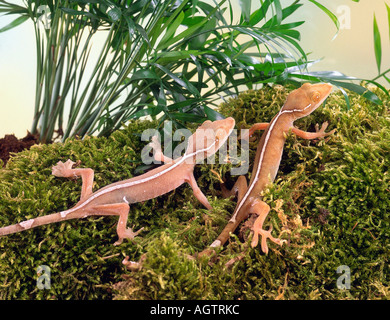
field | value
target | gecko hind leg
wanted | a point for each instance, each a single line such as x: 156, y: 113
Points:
x: 122, y: 210
x: 239, y: 189
x: 262, y: 209
x: 197, y: 192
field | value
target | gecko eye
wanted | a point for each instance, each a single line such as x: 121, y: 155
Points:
x: 219, y: 134
x: 315, y: 97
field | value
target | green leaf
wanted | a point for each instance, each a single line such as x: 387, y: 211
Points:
x: 291, y: 33
x: 273, y: 23
x: 331, y: 75
x: 346, y: 98
x: 289, y: 25
x: 114, y: 14
x: 78, y: 13
x: 186, y: 33
x: 387, y: 79
x: 279, y: 11
x: 162, y: 99
x: 245, y: 9
x: 144, y: 74
x: 191, y: 49
x: 213, y: 11
x: 385, y: 91
x: 179, y: 81
x: 198, y: 42
x: 130, y: 25
x: 212, y: 114
x: 187, y: 117
x: 136, y: 7
x: 377, y: 45
x: 172, y: 56
x: 307, y: 77
x: 231, y: 11
x: 14, y: 23
x: 260, y: 13
x: 359, y: 90
x: 143, y: 34
x: 294, y: 43
x: 150, y: 111
x: 11, y: 8
x: 291, y: 9
x: 86, y: 1
x: 172, y: 28
x: 182, y: 104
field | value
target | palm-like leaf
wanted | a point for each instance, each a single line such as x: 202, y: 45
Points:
x: 161, y: 58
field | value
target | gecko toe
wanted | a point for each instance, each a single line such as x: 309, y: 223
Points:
x: 63, y: 169
x: 265, y: 234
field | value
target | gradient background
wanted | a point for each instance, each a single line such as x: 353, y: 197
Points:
x: 351, y: 52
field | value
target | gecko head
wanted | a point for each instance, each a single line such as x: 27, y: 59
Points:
x: 304, y: 100
x: 209, y: 137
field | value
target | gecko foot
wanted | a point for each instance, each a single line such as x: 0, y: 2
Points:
x: 265, y: 234
x: 133, y: 265
x: 323, y: 128
x: 128, y: 234
x: 63, y: 169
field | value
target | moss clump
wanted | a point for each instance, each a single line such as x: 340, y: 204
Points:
x: 170, y: 274
x: 330, y: 202
x: 80, y: 253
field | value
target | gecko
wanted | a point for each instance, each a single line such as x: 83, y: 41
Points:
x: 299, y: 103
x: 115, y: 198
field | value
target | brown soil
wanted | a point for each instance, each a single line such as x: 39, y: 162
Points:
x: 12, y: 144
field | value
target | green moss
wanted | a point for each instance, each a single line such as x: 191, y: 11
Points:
x: 330, y: 202
x: 78, y: 252
x: 169, y: 274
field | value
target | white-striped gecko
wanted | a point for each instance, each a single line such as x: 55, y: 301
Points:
x: 115, y: 198
x: 300, y: 103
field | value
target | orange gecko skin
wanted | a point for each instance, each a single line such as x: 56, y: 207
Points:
x: 299, y: 103
x: 115, y: 199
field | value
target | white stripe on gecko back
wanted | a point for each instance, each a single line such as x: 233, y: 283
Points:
x: 132, y: 183
x: 271, y: 126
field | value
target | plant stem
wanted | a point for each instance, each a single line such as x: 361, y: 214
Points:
x: 381, y: 74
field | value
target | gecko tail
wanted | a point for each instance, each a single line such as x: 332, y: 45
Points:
x: 36, y: 222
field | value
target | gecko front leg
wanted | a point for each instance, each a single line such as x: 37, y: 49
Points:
x: 197, y: 192
x: 320, y: 133
x: 65, y: 169
x: 157, y: 152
